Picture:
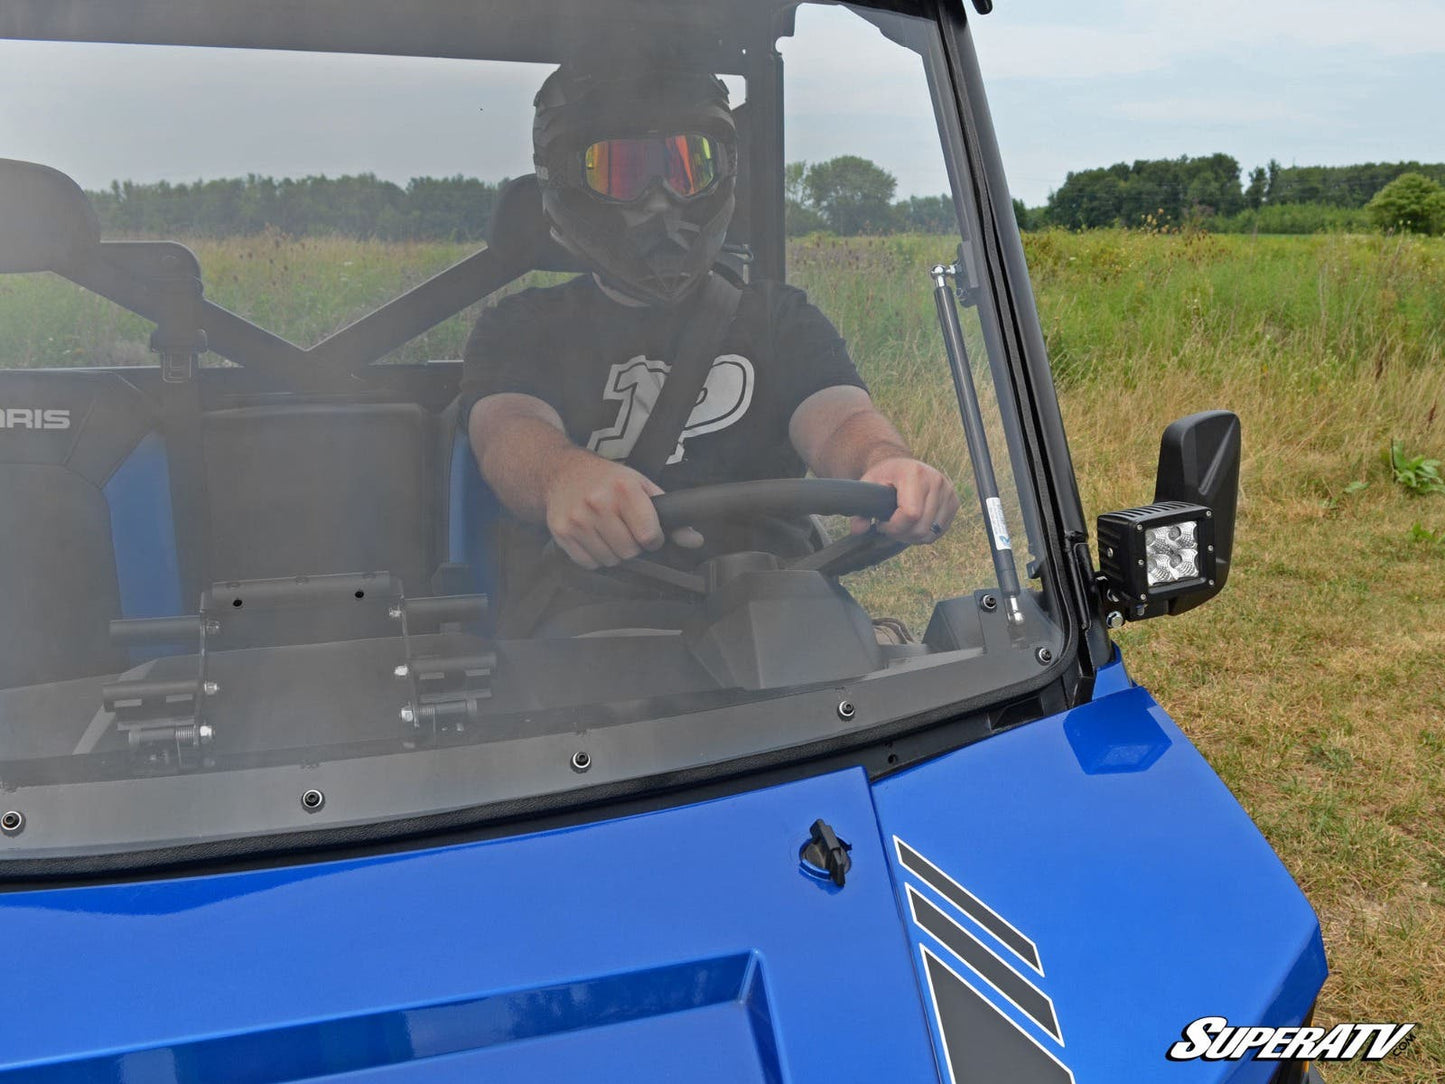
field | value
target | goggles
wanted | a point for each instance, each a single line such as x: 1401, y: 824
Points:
x: 624, y: 169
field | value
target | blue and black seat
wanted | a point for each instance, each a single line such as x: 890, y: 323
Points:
x: 86, y: 528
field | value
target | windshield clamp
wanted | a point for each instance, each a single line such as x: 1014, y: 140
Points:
x: 446, y: 690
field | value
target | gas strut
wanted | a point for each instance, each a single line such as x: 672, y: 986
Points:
x: 983, y: 476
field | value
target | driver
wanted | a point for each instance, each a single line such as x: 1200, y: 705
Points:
x: 637, y: 167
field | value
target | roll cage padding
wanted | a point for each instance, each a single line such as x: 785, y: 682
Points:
x: 30, y: 241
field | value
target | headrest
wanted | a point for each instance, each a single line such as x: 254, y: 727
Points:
x: 519, y: 229
x: 46, y: 221
x: 87, y: 422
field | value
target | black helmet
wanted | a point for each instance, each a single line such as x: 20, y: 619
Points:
x: 637, y: 167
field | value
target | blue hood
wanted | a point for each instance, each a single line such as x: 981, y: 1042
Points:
x: 1079, y: 889
x: 1091, y: 858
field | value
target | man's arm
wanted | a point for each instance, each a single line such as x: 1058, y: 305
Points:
x: 840, y: 434
x: 600, y: 512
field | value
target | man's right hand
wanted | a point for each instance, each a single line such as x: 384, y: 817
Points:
x: 601, y: 512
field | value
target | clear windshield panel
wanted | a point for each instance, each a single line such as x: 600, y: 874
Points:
x: 390, y: 435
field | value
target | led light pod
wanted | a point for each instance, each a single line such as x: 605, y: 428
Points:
x: 1156, y: 553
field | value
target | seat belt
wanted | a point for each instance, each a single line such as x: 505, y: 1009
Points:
x: 693, y: 353
x: 694, y: 350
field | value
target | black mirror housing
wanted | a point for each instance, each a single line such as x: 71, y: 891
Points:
x: 46, y: 221
x: 1197, y: 482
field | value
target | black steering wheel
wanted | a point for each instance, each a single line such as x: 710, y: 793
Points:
x: 784, y: 497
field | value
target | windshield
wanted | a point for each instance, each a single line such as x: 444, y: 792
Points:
x: 614, y: 397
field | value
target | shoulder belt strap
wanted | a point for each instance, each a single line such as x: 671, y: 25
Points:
x: 693, y: 354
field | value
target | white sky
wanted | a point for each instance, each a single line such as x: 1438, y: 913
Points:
x: 1072, y: 83
x: 1081, y: 83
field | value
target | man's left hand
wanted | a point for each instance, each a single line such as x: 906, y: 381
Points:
x: 927, y: 501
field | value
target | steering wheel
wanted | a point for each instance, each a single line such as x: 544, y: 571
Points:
x: 784, y: 497
x: 793, y: 497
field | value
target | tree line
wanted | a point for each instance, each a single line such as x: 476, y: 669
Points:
x: 1210, y: 191
x: 847, y: 195
x: 425, y: 209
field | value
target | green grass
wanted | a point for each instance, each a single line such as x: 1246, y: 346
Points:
x: 1315, y: 683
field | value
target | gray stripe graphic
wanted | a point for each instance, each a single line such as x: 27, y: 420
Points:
x: 994, y: 971
x: 968, y: 903
x: 980, y: 1044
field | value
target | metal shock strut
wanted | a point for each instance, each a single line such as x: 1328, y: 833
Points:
x: 985, y: 482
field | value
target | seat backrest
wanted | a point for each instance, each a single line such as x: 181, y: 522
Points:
x: 86, y: 533
x: 313, y: 489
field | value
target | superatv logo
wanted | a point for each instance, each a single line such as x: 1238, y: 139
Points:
x: 1213, y: 1038
x: 28, y: 418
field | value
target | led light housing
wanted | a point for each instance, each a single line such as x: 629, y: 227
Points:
x: 1156, y: 553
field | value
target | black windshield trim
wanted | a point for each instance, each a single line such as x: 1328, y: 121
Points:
x: 880, y: 751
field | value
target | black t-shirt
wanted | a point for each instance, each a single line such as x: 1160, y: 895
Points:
x: 601, y: 364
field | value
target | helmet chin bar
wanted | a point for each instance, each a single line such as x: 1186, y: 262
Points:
x: 658, y: 257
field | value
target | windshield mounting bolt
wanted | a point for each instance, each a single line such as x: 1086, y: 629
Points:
x: 394, y: 612
x: 1044, y: 655
x: 408, y: 714
x: 581, y: 760
x: 846, y: 710
x: 989, y: 602
x: 401, y: 672
x: 210, y: 688
x: 204, y: 733
x: 312, y: 800
x: 212, y: 626
x: 12, y: 822
x: 1114, y: 619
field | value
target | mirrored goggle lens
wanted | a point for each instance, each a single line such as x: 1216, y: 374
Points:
x: 623, y: 169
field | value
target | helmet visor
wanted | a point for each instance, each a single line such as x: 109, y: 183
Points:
x: 624, y: 169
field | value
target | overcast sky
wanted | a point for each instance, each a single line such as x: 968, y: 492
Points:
x: 1072, y: 83
x: 1079, y: 83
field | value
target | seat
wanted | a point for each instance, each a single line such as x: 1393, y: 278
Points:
x: 86, y: 531
x: 312, y: 489
x: 520, y: 233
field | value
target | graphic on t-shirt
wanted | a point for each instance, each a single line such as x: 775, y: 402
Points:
x: 636, y: 384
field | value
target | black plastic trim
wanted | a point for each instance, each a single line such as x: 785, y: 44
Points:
x: 880, y: 751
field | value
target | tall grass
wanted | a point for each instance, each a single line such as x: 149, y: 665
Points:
x: 1315, y: 683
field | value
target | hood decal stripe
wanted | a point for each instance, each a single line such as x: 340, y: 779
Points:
x: 986, y: 963
x: 968, y: 903
x: 980, y: 1044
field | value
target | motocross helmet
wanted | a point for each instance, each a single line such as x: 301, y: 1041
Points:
x: 637, y: 167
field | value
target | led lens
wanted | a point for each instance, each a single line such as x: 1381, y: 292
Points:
x: 1172, y: 552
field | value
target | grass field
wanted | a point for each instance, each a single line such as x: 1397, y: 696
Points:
x: 1315, y: 684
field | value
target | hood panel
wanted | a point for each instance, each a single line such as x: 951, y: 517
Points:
x: 684, y: 944
x: 1083, y: 887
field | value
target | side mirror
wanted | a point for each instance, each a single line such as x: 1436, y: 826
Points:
x: 46, y: 221
x: 1173, y: 555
